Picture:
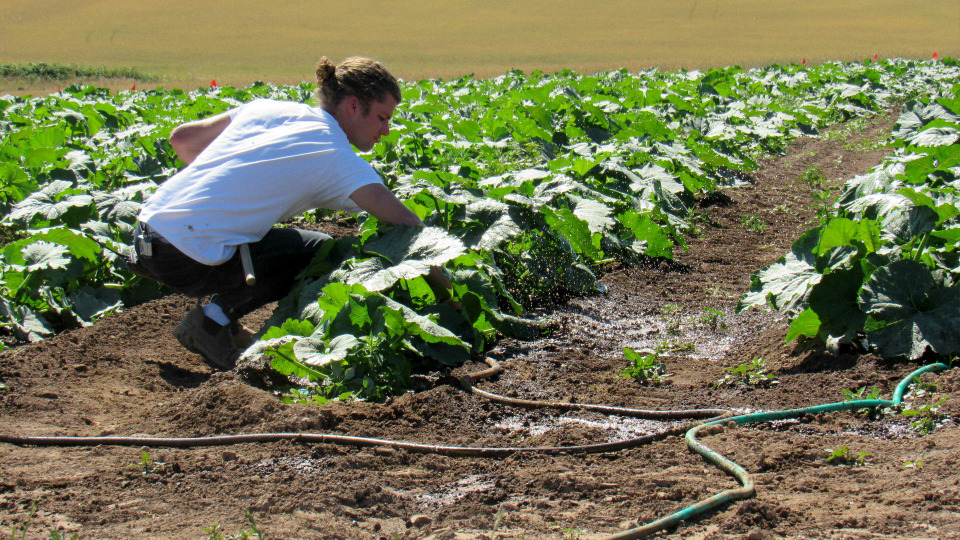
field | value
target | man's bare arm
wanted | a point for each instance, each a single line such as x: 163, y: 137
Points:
x: 382, y: 204
x: 189, y: 139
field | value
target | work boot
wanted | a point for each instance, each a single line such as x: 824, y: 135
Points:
x: 242, y: 336
x: 204, y: 336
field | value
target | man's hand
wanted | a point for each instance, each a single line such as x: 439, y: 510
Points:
x: 189, y: 139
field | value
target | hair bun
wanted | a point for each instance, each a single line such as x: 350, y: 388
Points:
x: 326, y: 70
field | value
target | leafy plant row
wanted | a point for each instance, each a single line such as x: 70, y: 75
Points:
x: 528, y: 183
x: 883, y: 271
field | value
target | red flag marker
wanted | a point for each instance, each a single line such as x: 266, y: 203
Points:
x: 934, y: 54
x: 133, y: 88
x: 875, y: 56
x: 213, y: 83
x: 804, y: 61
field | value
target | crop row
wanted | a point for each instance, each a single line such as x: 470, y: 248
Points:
x: 882, y: 272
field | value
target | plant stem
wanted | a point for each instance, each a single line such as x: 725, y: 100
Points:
x: 923, y: 246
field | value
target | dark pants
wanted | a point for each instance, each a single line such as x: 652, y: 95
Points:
x: 277, y: 260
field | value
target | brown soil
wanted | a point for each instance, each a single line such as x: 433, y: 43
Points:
x: 126, y: 375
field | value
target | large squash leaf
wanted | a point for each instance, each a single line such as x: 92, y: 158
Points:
x: 909, y: 313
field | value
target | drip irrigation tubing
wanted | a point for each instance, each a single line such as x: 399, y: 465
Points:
x: 707, y: 418
x: 457, y: 451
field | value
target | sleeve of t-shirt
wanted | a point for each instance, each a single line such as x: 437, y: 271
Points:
x: 353, y: 174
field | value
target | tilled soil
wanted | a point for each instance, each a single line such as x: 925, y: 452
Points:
x: 126, y: 375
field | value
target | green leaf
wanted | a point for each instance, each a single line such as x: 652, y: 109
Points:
x: 784, y: 285
x: 909, y: 313
x: 834, y: 300
x: 15, y: 184
x: 409, y: 252
x: 42, y: 255
x: 838, y: 232
x: 935, y: 136
x: 951, y: 235
x: 805, y: 324
x: 51, y: 203
x: 575, y: 230
x: 79, y: 245
x: 652, y: 238
x: 423, y: 327
x: 26, y: 324
x: 470, y: 130
x: 89, y: 304
x: 314, y: 351
x: 290, y: 327
x: 334, y: 298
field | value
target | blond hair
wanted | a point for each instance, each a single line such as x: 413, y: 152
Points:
x: 364, y: 78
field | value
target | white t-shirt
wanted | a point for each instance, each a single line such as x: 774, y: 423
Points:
x: 274, y: 160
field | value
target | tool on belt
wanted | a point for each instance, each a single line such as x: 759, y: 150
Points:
x: 145, y: 237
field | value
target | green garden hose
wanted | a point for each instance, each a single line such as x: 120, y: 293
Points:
x: 746, y: 489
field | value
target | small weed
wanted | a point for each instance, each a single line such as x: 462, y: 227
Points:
x: 921, y: 388
x: 753, y: 223
x: 26, y: 526
x: 842, y: 455
x: 674, y: 346
x: 322, y: 214
x: 752, y: 373
x: 927, y: 416
x: 821, y: 193
x: 822, y: 196
x: 698, y: 224
x: 714, y: 318
x: 148, y: 465
x: 498, y: 518
x: 813, y: 176
x: 844, y: 133
x: 215, y: 533
x: 875, y: 143
x: 645, y: 368
x: 673, y: 318
x: 569, y: 533
x: 863, y: 394
x: 917, y: 464
x: 718, y: 291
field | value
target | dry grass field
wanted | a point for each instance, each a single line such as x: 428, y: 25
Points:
x: 236, y: 42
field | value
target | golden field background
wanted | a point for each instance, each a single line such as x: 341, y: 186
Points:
x: 189, y: 43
